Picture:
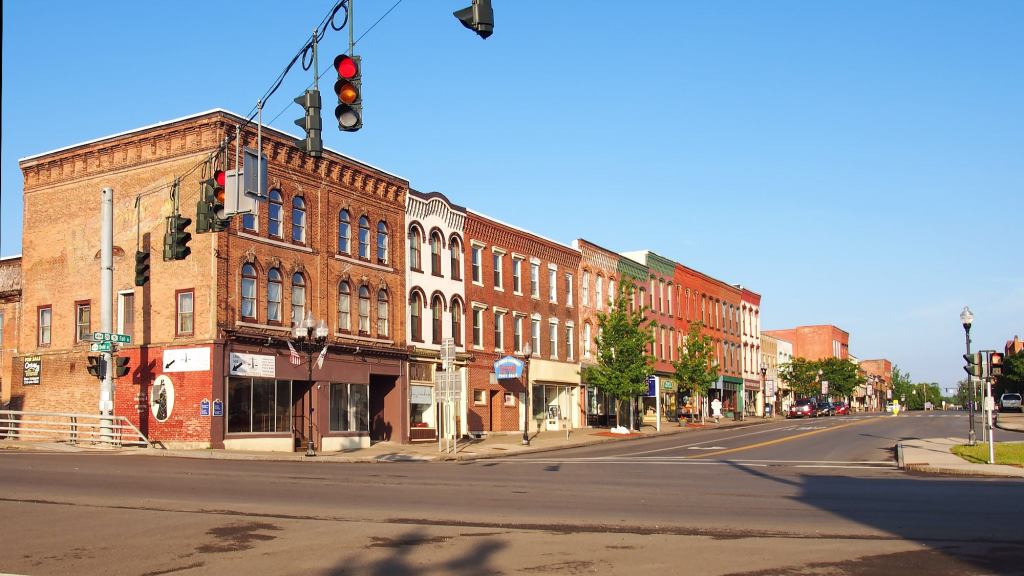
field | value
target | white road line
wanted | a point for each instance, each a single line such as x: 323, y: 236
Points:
x: 891, y: 466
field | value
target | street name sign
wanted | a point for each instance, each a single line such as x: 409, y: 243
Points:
x: 111, y: 337
x: 102, y: 347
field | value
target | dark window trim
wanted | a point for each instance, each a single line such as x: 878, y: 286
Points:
x: 177, y: 312
x: 76, y: 339
x: 39, y: 310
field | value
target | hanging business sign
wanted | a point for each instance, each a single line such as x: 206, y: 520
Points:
x: 508, y: 367
x: 652, y: 385
x: 257, y: 365
x: 824, y: 386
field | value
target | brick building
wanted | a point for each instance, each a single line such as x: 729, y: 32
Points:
x: 750, y: 319
x: 520, y: 288
x: 716, y: 305
x: 10, y: 314
x: 878, y: 389
x: 601, y: 274
x: 435, y: 286
x: 816, y: 342
x: 213, y: 329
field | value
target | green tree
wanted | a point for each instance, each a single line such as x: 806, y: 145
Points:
x: 623, y: 363
x: 902, y: 385
x: 695, y: 369
x: 801, y: 375
x: 842, y: 376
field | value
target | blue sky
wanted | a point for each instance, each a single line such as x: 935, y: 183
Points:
x: 857, y: 163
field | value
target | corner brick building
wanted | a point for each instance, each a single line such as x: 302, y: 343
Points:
x: 209, y: 358
x: 520, y: 287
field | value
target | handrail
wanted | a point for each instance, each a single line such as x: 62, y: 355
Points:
x: 71, y: 428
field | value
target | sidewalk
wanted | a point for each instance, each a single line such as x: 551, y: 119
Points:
x: 493, y: 446
x: 933, y: 456
x: 1010, y: 421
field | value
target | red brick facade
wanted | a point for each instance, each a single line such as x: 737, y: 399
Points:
x: 816, y: 342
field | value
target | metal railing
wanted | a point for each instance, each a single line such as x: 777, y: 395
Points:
x: 70, y: 428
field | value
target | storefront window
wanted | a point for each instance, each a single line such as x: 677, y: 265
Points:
x: 421, y: 406
x: 350, y: 408
x: 259, y: 405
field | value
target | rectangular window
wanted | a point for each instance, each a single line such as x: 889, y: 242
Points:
x: 585, y: 289
x: 183, y: 313
x: 535, y: 279
x: 611, y: 294
x: 517, y: 275
x: 535, y: 335
x: 43, y: 323
x: 568, y: 290
x: 259, y: 405
x: 552, y: 285
x: 497, y: 270
x: 83, y: 321
x: 570, y: 348
x: 479, y: 397
x: 350, y: 408
x: 478, y: 327
x: 126, y: 314
x: 586, y: 340
x: 476, y: 256
x: 510, y: 399
x: 553, y: 339
x: 517, y: 333
x: 499, y: 330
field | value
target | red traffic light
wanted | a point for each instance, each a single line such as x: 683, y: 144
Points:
x: 219, y: 177
x: 346, y: 66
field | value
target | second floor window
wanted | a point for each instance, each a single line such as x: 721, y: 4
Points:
x: 364, y: 238
x: 517, y: 333
x: 382, y: 313
x: 274, y: 295
x: 552, y: 285
x: 83, y: 323
x: 478, y: 327
x: 535, y: 279
x: 457, y: 322
x: 517, y: 275
x: 535, y: 335
x: 415, y: 324
x: 599, y: 292
x: 275, y: 213
x: 344, y: 233
x: 299, y: 220
x: 364, y: 310
x: 456, y: 250
x: 585, y: 289
x: 586, y: 340
x: 249, y: 292
x: 436, y: 313
x: 185, y: 313
x: 497, y: 270
x: 298, y: 299
x: 553, y: 339
x: 415, y: 241
x: 499, y: 330
x: 476, y: 256
x: 344, y: 307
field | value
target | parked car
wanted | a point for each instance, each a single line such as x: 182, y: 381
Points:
x: 826, y: 408
x: 1010, y: 401
x: 804, y: 407
x: 841, y: 409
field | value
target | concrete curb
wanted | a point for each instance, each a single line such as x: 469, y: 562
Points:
x: 934, y: 456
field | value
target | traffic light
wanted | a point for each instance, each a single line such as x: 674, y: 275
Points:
x: 210, y: 212
x: 176, y: 239
x: 479, y: 17
x: 995, y: 364
x: 97, y: 367
x: 349, y: 89
x: 974, y: 364
x: 121, y: 367
x: 141, y: 268
x: 312, y: 145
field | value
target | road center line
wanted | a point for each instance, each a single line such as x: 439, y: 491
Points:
x: 776, y: 441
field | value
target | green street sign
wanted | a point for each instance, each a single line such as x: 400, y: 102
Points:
x: 102, y: 347
x: 110, y: 337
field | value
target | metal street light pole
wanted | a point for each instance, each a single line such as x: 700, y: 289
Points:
x: 967, y: 318
x: 527, y: 350
x: 764, y: 388
x: 310, y: 335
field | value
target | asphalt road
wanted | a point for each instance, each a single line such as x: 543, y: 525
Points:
x: 819, y: 496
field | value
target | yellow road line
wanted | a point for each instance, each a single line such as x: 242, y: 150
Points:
x: 778, y: 440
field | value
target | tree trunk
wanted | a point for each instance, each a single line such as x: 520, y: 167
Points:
x: 618, y: 411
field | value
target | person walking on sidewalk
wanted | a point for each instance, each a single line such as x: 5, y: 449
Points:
x: 716, y: 409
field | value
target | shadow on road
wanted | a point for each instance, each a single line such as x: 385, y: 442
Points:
x: 397, y: 561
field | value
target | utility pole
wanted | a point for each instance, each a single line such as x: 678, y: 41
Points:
x: 106, y: 312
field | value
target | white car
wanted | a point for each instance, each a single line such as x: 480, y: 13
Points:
x: 1010, y: 401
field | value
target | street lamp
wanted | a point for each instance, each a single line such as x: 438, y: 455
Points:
x: 966, y: 318
x: 764, y: 386
x: 527, y: 350
x: 309, y: 335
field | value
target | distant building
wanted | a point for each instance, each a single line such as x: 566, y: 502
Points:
x: 750, y: 316
x: 1014, y: 346
x: 816, y: 342
x: 10, y: 315
x: 878, y: 389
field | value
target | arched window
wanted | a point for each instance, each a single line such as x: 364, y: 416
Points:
x: 382, y: 312
x: 274, y: 295
x: 599, y: 292
x: 382, y: 242
x: 457, y: 322
x: 415, y: 325
x: 249, y: 292
x: 435, y: 253
x: 275, y: 213
x: 415, y: 240
x: 456, y: 249
x: 344, y: 307
x: 364, y: 310
x: 364, y: 238
x: 298, y: 220
x: 344, y: 233
x: 435, y: 314
x: 298, y: 298
x: 586, y: 340
x: 611, y: 293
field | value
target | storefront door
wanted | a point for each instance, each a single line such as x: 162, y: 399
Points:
x: 300, y: 413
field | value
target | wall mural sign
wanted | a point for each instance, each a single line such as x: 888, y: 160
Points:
x: 508, y: 367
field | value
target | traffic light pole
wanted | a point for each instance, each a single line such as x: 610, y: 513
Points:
x: 971, y: 438
x: 107, y: 312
